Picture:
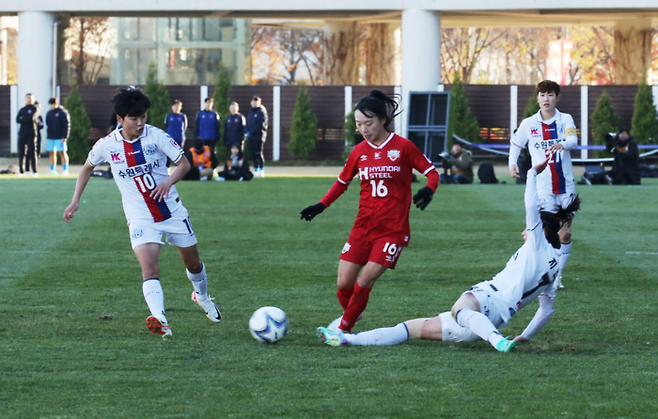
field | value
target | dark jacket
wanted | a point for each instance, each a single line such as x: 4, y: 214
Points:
x: 207, y: 125
x: 257, y: 123
x: 58, y: 124
x: 175, y: 125
x: 27, y: 118
x: 626, y: 168
x: 234, y: 130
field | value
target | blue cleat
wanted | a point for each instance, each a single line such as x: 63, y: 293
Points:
x: 330, y: 337
x: 505, y: 345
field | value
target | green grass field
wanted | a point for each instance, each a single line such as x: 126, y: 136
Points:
x: 73, y: 343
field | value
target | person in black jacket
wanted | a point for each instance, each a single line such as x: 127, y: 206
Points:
x: 27, y: 118
x: 234, y: 127
x: 58, y: 123
x: 626, y: 167
x: 256, y: 133
x: 236, y: 167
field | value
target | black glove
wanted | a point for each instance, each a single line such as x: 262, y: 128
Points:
x: 423, y: 197
x: 309, y: 213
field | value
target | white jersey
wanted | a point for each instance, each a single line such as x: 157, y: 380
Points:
x: 533, y: 268
x: 540, y: 135
x: 138, y: 167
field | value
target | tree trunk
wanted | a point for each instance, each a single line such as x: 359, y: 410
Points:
x: 341, y: 66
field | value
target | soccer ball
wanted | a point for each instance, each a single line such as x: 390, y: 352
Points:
x: 268, y: 324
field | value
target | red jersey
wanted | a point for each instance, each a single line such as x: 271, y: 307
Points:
x: 385, y: 173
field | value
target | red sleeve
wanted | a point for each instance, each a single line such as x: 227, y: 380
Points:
x: 424, y: 165
x: 337, y: 189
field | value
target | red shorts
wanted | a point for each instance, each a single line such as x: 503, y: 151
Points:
x: 384, y: 251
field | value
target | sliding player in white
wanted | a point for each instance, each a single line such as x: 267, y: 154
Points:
x: 481, y: 311
x: 549, y: 134
x: 137, y: 154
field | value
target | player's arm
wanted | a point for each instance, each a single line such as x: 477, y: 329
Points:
x: 422, y: 164
x: 161, y: 191
x: 516, y: 144
x: 571, y: 139
x: 532, y: 216
x: 80, y: 186
x: 542, y: 316
x: 337, y: 189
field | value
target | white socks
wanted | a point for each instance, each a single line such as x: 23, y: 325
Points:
x: 154, y: 296
x: 564, y: 252
x: 380, y: 337
x: 199, y: 281
x: 479, y: 324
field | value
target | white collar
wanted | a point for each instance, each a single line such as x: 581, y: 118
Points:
x: 548, y: 121
x: 378, y: 147
x: 119, y: 137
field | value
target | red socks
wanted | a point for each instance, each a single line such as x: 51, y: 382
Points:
x: 344, y: 296
x: 357, y: 304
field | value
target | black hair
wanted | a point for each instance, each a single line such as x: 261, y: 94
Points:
x: 198, y: 145
x: 208, y: 99
x: 548, y: 86
x: 553, y: 222
x: 53, y: 101
x: 256, y: 98
x: 626, y: 130
x: 176, y: 102
x: 130, y: 101
x: 380, y: 105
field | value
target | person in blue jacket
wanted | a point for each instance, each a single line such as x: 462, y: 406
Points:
x: 234, y: 127
x: 58, y: 123
x: 256, y: 133
x: 206, y: 127
x: 176, y: 123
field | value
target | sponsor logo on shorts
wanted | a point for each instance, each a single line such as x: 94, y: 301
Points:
x: 136, y: 234
x: 346, y: 248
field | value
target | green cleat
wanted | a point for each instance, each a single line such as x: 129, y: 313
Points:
x: 505, y: 345
x: 330, y: 337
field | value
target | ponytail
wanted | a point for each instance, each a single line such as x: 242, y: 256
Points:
x: 381, y: 105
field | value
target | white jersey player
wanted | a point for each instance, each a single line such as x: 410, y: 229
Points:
x: 137, y: 154
x: 551, y: 135
x: 479, y: 313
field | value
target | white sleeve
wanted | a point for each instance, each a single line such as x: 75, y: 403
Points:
x: 169, y: 146
x: 571, y: 139
x: 97, y: 154
x: 516, y: 144
x: 542, y: 316
x: 532, y: 216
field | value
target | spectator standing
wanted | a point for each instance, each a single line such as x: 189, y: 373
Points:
x: 27, y: 118
x: 176, y: 123
x: 626, y: 168
x: 234, y: 127
x: 207, y: 125
x: 257, y: 133
x: 58, y: 123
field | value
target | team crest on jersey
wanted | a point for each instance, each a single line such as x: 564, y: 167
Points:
x: 378, y: 155
x: 346, y: 248
x: 393, y: 154
x: 535, y: 132
x: 150, y: 149
x: 364, y: 157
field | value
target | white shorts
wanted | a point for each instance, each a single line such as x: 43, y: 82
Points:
x: 485, y: 295
x: 451, y: 331
x: 551, y: 203
x: 178, y: 230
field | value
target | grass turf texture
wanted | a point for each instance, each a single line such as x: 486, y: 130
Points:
x: 73, y: 343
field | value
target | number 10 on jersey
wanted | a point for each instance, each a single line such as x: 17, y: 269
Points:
x: 145, y: 182
x: 378, y: 189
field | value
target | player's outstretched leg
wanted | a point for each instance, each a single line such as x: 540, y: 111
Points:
x: 479, y: 324
x: 200, y: 294
x: 331, y: 338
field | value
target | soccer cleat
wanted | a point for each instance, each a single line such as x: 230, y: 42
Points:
x: 220, y: 179
x: 331, y: 338
x: 65, y: 173
x: 54, y: 173
x: 505, y: 345
x: 212, y: 312
x: 159, y: 326
x: 35, y: 174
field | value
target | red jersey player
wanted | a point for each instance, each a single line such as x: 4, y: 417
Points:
x: 383, y: 164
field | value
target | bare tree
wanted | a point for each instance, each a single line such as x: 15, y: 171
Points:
x: 461, y: 49
x: 89, y: 42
